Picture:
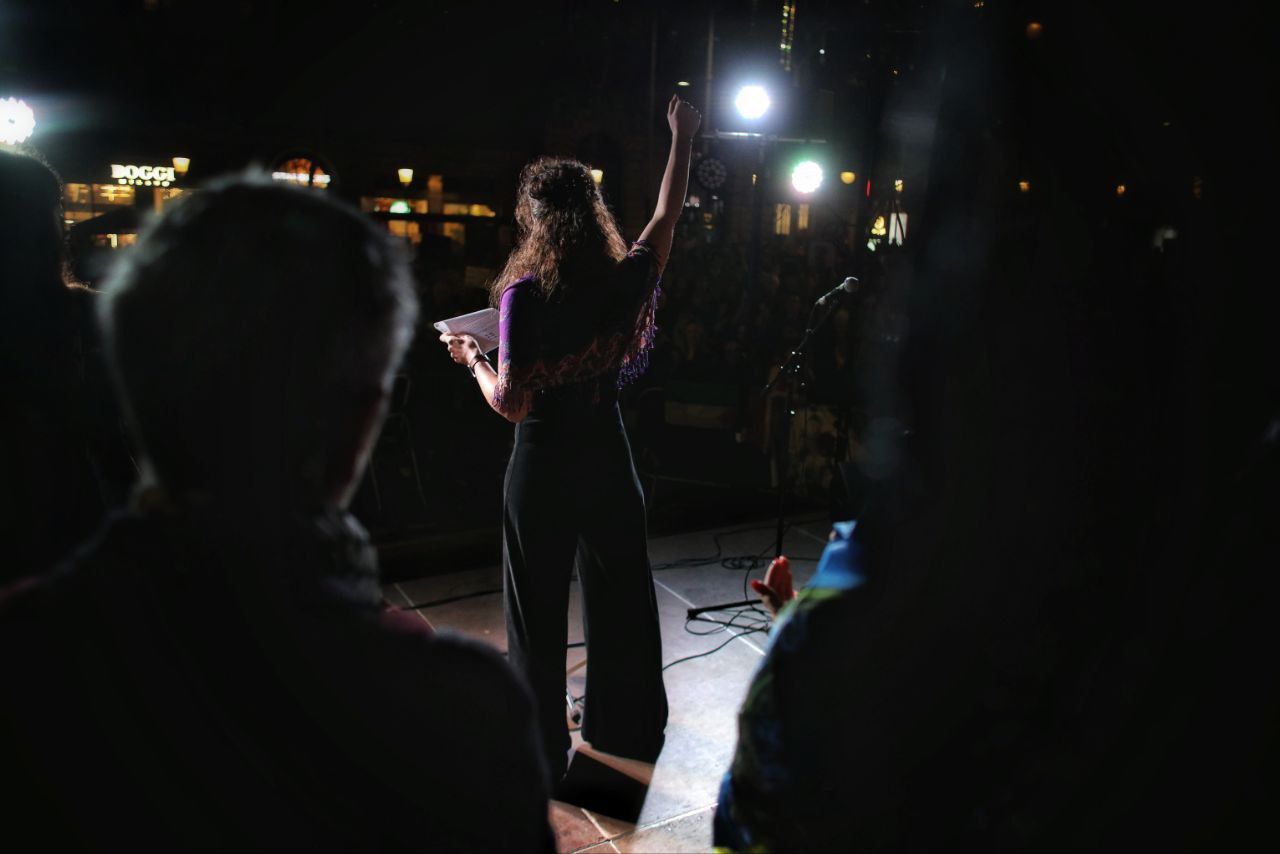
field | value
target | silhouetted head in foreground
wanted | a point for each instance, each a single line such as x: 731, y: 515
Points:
x: 253, y: 332
x: 566, y: 231
x: 32, y: 256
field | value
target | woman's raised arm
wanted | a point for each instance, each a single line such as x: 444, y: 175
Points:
x: 684, y: 121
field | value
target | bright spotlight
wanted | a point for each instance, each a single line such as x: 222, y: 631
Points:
x: 17, y: 121
x: 752, y: 102
x: 806, y: 177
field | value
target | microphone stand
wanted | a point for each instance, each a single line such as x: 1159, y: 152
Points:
x: 787, y: 372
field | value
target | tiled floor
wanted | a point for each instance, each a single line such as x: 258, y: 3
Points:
x: 670, y: 804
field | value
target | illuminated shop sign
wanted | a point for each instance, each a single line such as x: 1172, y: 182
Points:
x: 147, y: 176
x: 301, y: 170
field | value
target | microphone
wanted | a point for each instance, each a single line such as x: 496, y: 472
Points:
x: 848, y: 286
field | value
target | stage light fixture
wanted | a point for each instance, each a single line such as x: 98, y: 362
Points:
x: 806, y: 177
x: 752, y: 102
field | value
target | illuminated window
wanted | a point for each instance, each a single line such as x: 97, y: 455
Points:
x: 802, y: 217
x: 407, y: 229
x: 300, y: 170
x: 454, y: 231
x: 164, y: 195
x: 75, y: 194
x: 76, y: 216
x: 782, y: 219
x: 114, y: 241
x: 897, y: 228
x: 464, y: 209
x: 389, y: 204
x: 112, y: 195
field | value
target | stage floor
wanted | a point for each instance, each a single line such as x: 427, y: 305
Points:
x: 614, y: 804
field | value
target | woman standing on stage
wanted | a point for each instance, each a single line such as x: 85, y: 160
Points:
x: 576, y: 322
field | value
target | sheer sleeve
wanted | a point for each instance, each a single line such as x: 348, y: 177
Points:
x: 517, y: 347
x: 641, y: 273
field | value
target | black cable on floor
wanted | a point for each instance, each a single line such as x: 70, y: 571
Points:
x: 419, y: 606
x: 666, y: 667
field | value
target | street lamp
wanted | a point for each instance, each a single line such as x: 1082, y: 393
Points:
x: 406, y: 177
x: 17, y: 121
x: 181, y: 165
x: 752, y: 102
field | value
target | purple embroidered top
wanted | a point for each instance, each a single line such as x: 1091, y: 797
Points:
x: 596, y: 337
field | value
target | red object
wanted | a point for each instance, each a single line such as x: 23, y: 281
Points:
x: 868, y: 188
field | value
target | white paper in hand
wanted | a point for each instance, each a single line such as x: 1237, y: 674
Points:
x: 481, y: 325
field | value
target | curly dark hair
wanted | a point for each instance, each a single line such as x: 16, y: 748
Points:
x: 565, y: 231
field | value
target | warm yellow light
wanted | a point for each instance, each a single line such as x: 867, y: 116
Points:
x: 181, y: 165
x: 897, y: 185
x: 848, y: 177
x: 597, y: 175
x: 1024, y: 186
x: 682, y: 83
x: 1120, y: 189
x: 406, y: 176
x: 1034, y: 30
x: 878, y: 228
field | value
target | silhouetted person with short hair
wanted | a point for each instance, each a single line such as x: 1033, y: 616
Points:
x: 49, y: 499
x: 216, y: 668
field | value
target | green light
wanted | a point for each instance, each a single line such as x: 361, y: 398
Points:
x: 400, y: 206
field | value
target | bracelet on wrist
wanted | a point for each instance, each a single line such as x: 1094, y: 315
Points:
x: 471, y: 366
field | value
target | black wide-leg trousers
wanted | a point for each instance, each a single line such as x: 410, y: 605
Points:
x: 572, y: 497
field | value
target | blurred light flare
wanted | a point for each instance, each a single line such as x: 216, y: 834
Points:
x: 806, y: 177
x: 752, y: 102
x: 406, y: 176
x: 17, y: 121
x: 597, y: 175
x: 848, y: 177
x: 181, y: 165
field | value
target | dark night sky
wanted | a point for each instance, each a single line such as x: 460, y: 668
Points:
x: 132, y: 78
x: 402, y: 71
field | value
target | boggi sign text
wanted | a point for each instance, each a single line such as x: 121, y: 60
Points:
x: 147, y: 176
